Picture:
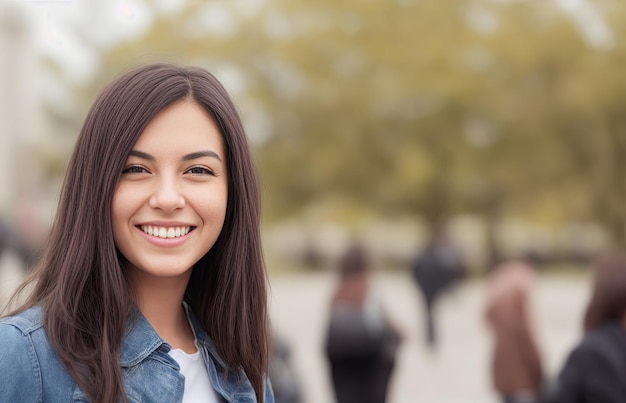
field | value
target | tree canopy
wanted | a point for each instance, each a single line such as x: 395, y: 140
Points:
x: 429, y: 108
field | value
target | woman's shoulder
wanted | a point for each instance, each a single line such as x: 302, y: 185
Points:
x: 26, y: 322
x: 19, y: 365
x: 607, y: 337
x: 17, y: 336
x: 602, y: 346
x: 595, y: 369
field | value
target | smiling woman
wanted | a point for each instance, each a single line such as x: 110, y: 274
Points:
x: 153, y: 285
x: 168, y: 184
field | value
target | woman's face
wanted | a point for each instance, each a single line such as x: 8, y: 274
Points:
x: 170, y: 202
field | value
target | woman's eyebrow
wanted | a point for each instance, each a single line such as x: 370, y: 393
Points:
x: 187, y: 157
x: 141, y: 154
x: 200, y: 154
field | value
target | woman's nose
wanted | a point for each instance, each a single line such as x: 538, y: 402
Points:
x: 167, y: 196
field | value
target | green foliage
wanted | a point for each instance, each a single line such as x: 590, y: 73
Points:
x: 426, y: 107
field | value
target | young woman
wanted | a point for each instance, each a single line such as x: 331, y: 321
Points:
x: 595, y: 369
x: 152, y: 287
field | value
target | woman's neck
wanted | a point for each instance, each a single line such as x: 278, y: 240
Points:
x: 160, y: 301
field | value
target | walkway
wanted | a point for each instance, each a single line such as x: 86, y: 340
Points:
x: 458, y: 372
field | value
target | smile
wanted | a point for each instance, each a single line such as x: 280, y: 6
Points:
x: 165, y: 232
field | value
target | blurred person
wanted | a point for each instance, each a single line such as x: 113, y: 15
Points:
x: 5, y: 236
x: 13, y: 239
x: 361, y: 343
x: 438, y: 266
x: 285, y: 381
x: 31, y: 232
x: 595, y: 369
x: 152, y: 286
x: 517, y: 372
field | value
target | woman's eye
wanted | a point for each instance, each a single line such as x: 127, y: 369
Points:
x: 134, y: 169
x: 200, y: 171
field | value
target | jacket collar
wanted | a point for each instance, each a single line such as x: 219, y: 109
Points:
x: 141, y: 340
x: 201, y: 337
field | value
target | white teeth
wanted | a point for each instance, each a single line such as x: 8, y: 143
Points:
x: 165, y: 232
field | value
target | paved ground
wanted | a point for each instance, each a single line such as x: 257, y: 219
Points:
x: 456, y: 373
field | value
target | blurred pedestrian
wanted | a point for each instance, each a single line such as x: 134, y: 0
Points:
x: 595, y: 369
x: 285, y: 380
x: 5, y: 235
x: 516, y: 370
x: 13, y: 239
x: 361, y: 342
x: 437, y: 268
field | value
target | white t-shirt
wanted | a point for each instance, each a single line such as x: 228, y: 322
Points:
x: 197, y: 383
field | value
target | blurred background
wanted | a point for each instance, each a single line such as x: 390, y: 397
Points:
x: 499, y: 122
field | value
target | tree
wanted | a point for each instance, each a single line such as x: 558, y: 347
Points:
x: 427, y: 108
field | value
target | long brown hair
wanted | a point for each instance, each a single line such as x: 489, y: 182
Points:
x: 608, y: 297
x: 80, y: 281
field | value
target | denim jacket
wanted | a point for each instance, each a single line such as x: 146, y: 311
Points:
x: 30, y: 370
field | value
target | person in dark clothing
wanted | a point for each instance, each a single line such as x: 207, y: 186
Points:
x: 595, y: 370
x: 361, y: 342
x: 436, y: 268
x: 285, y: 381
x: 11, y: 239
x: 5, y: 236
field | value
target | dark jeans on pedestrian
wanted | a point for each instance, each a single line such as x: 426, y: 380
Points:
x: 520, y: 399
